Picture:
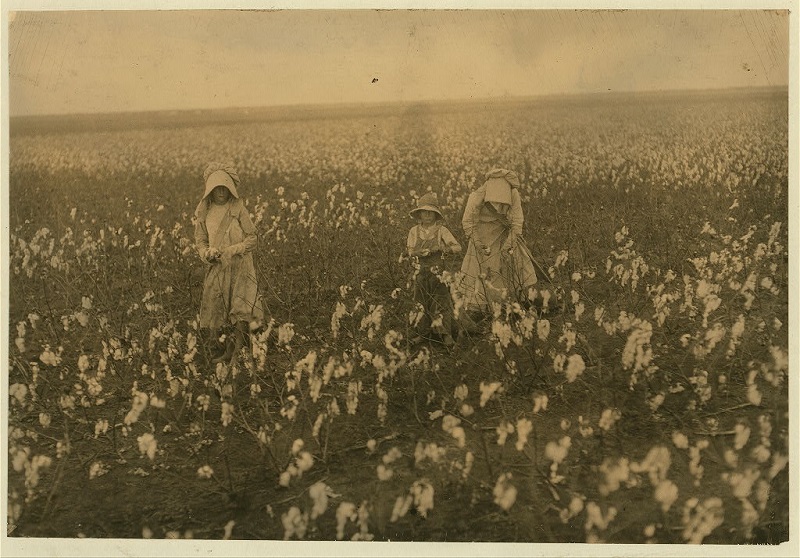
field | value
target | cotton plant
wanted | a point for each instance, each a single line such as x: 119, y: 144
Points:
x: 384, y: 470
x: 420, y: 496
x: 302, y: 461
x: 719, y: 306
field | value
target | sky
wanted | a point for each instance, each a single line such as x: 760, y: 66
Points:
x: 107, y: 61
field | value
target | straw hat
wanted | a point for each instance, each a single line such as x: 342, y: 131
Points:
x: 427, y: 202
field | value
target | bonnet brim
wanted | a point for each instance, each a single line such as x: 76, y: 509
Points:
x: 220, y: 178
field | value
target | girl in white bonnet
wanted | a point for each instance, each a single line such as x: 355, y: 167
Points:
x: 225, y: 238
x: 497, y: 262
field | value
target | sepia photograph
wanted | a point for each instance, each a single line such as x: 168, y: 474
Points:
x: 386, y: 279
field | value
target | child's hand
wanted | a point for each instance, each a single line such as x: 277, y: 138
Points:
x: 212, y: 254
x: 227, y: 254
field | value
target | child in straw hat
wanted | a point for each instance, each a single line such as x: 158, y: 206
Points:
x: 429, y: 241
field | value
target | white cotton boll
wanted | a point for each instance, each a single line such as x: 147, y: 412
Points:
x: 540, y: 401
x: 100, y: 427
x: 596, y: 518
x: 304, y: 462
x: 742, y: 435
x: 147, y: 445
x: 753, y: 395
x: 731, y: 458
x: 97, y: 469
x: 226, y: 415
x: 503, y: 430
x: 205, y: 472
x: 507, y: 498
x: 488, y: 390
x: 557, y: 451
x: 384, y: 473
x: 524, y: 428
x: 780, y: 358
x: 423, y: 497
x: 575, y: 506
x: 543, y: 329
x: 761, y: 453
x: 666, y: 494
x: 616, y: 472
x: 295, y: 524
x: 505, y: 494
x: 401, y: 507
x: 459, y: 435
x: 742, y: 483
x: 680, y: 440
x: 344, y: 513
x: 19, y: 392
x: 779, y: 463
x: 575, y: 367
x: 392, y: 455
x: 318, y: 492
x: 656, y: 401
x: 469, y: 460
x: 656, y: 464
x: 608, y: 418
x: 19, y: 459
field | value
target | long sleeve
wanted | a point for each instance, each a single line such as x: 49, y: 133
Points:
x: 201, y: 239
x: 470, y: 217
x: 449, y: 241
x: 250, y: 236
x: 515, y: 215
x: 411, y: 243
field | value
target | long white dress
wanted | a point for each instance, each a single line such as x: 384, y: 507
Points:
x: 489, y: 273
x: 230, y: 288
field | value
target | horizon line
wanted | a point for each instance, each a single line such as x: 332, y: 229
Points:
x: 376, y: 104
